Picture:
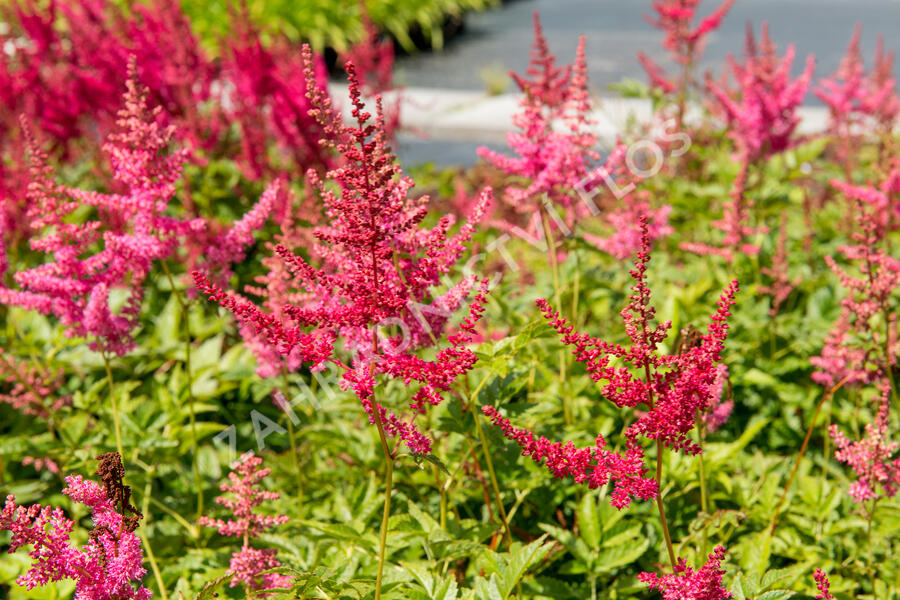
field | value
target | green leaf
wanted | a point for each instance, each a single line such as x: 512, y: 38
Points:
x: 775, y: 595
x: 209, y: 590
x: 588, y: 521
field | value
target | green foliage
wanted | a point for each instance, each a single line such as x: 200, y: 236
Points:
x: 337, y: 23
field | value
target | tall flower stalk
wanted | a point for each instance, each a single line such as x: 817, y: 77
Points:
x: 110, y: 565
x: 685, y: 44
x: 378, y: 270
x: 673, y: 390
x: 248, y: 566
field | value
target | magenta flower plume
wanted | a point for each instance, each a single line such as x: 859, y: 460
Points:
x: 671, y: 389
x: 624, y: 219
x: 870, y: 457
x: 782, y: 285
x: 107, y: 566
x: 594, y: 466
x: 857, y: 99
x: 683, y: 40
x: 823, y: 585
x: 245, y: 479
x: 862, y: 345
x: 92, y: 258
x: 554, y: 144
x: 269, y: 102
x: 719, y: 409
x: 687, y: 584
x: 33, y: 390
x: 544, y: 82
x: 761, y: 110
x: 735, y: 222
x: 373, y: 57
x: 378, y: 268
x: 248, y: 564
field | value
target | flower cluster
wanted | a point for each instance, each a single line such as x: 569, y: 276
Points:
x: 554, y: 144
x: 686, y: 584
x: 672, y: 389
x: 63, y: 68
x: 734, y: 222
x: 684, y: 41
x: 870, y: 457
x: 594, y: 466
x: 92, y: 258
x: 823, y: 585
x: 862, y: 345
x: 761, y: 110
x: 269, y: 102
x: 33, y: 389
x: 782, y: 285
x: 854, y: 96
x: 379, y: 268
x: 108, y: 565
x: 248, y: 565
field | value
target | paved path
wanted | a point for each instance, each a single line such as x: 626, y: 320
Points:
x: 616, y: 32
x: 445, y: 98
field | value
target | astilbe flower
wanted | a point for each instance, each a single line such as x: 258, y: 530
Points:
x: 684, y: 42
x: 624, y: 220
x: 782, y: 285
x: 269, y: 102
x: 64, y: 69
x: 686, y: 584
x: 761, y: 111
x: 93, y: 257
x: 373, y: 56
x: 248, y: 564
x: 547, y: 84
x: 718, y: 411
x: 33, y: 389
x: 672, y: 389
x: 855, y: 98
x: 41, y: 463
x: 862, y: 345
x: 870, y: 457
x: 735, y: 222
x: 379, y: 268
x: 107, y: 566
x: 554, y: 144
x: 823, y: 585
x: 594, y: 466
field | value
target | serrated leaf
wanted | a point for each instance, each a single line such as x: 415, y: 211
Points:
x: 588, y: 521
x: 775, y: 595
x: 208, y: 591
x: 520, y: 560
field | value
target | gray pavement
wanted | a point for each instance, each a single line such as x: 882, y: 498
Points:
x: 450, y: 115
x: 616, y: 32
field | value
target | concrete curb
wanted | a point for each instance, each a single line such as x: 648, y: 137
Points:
x: 464, y: 116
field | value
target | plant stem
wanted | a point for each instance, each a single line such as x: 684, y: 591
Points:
x: 443, y: 494
x: 150, y: 556
x: 557, y: 299
x: 803, y: 446
x: 388, y: 485
x: 115, y: 406
x: 292, y: 439
x: 195, y: 467
x: 490, y: 463
x: 869, y: 570
x: 660, y: 448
